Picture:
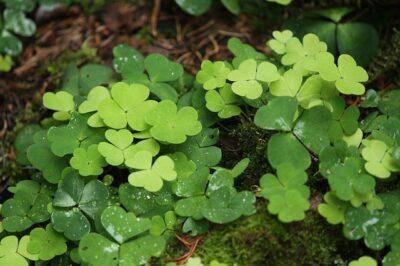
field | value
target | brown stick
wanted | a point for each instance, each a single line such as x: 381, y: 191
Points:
x: 154, y: 17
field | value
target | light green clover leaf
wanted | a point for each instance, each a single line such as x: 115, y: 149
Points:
x: 14, y: 253
x: 278, y: 114
x: 66, y: 138
x: 223, y: 102
x: 347, y: 180
x: 6, y: 63
x: 88, y: 161
x: 72, y: 200
x: 128, y: 106
x: 43, y: 159
x: 151, y: 175
x: 213, y: 74
x: 99, y: 250
x: 316, y: 91
x: 122, y: 225
x: 333, y: 209
x: 351, y: 76
x: 379, y: 163
x: 119, y: 140
x: 46, y: 243
x: 364, y: 261
x: 245, y: 78
x: 94, y: 98
x: 324, y: 64
x: 62, y: 102
x: 168, y: 124
x: 288, y: 85
x: 278, y: 44
x: 299, y: 54
x: 27, y: 207
x: 287, y: 193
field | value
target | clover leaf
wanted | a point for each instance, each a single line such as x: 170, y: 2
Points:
x: 14, y: 253
x: 65, y: 139
x: 122, y: 225
x: 351, y: 76
x: 126, y: 57
x: 364, y: 261
x: 278, y: 114
x: 391, y: 259
x: 223, y: 101
x: 200, y: 148
x: 379, y: 163
x: 213, y: 74
x: 287, y: 85
x: 347, y: 180
x: 72, y: 200
x: 151, y: 175
x: 93, y: 100
x: 345, y: 121
x: 46, y: 243
x: 225, y: 205
x: 22, y: 142
x: 62, y: 102
x: 121, y: 149
x: 287, y: 193
x: 135, y: 252
x: 281, y: 38
x: 168, y: 124
x: 17, y: 22
x: 27, y: 207
x: 6, y: 63
x: 88, y: 161
x: 285, y: 148
x: 193, y: 184
x: 333, y: 209
x: 243, y: 52
x: 127, y: 106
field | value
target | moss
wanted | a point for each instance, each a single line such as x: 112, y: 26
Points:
x: 262, y: 240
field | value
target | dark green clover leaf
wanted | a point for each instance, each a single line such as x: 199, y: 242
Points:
x: 200, y: 149
x: 278, y: 114
x: 27, y: 207
x: 344, y: 121
x: 128, y: 106
x: 74, y: 200
x: 126, y: 57
x: 168, y: 124
x: 195, y: 227
x: 285, y: 148
x: 391, y: 259
x: 312, y: 128
x: 287, y: 193
x: 243, y: 51
x: 145, y: 203
x: 98, y: 250
x: 389, y: 103
x: 22, y: 142
x: 46, y: 243
x: 226, y: 205
x: 88, y: 161
x: 348, y: 180
x: 122, y: 225
x: 17, y: 22
x: 193, y: 184
x: 14, y: 253
x: 65, y: 139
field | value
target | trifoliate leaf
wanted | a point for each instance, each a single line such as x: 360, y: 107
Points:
x: 43, y: 159
x: 94, y: 98
x: 288, y: 85
x: 22, y: 142
x: 333, y: 209
x: 287, y: 194
x: 278, y: 114
x: 244, y: 80
x: 278, y: 44
x: 316, y: 91
x: 88, y: 161
x: 212, y: 74
x: 122, y: 225
x: 351, y: 76
x: 168, y: 124
x: 223, y: 101
x: 62, y: 102
x: 243, y: 52
x: 10, y: 253
x: 46, y: 243
x: 126, y: 57
x: 160, y: 69
x: 151, y: 175
x: 128, y: 106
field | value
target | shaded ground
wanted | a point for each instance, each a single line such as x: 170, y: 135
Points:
x: 70, y: 36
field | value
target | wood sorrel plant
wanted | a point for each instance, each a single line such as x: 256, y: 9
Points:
x: 126, y: 162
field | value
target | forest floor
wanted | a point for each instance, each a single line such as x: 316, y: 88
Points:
x: 67, y: 36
